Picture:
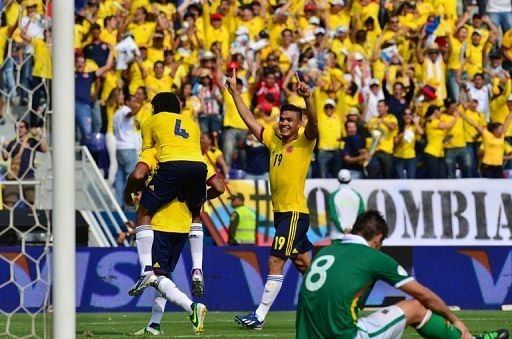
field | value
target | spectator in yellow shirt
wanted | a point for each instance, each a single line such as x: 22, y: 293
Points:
x: 495, y: 148
x: 434, y: 151
x: 473, y: 137
x: 329, y: 137
x: 455, y: 143
x: 406, y: 162
x: 456, y: 61
x: 387, y: 124
x: 214, y: 155
x: 158, y: 82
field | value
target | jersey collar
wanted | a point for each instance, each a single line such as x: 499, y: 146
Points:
x: 354, y: 239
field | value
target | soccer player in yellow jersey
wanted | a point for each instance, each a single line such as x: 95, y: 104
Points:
x: 181, y: 171
x: 175, y: 220
x: 291, y: 148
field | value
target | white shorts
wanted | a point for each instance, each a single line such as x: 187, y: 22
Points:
x: 388, y: 323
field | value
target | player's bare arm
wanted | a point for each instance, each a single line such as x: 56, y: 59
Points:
x: 135, y: 181
x: 434, y: 303
x: 311, y: 130
x: 246, y: 115
x: 216, y: 189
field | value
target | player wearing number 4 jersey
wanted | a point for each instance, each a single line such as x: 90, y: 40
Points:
x: 291, y: 149
x: 181, y: 172
x: 340, y: 279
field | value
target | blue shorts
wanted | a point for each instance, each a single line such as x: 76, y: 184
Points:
x: 291, y: 236
x: 166, y: 251
x: 182, y: 180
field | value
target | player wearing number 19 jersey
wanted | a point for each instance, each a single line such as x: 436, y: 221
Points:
x: 340, y: 279
x: 291, y: 149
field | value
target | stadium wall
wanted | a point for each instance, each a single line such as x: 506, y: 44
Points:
x: 464, y: 212
x: 472, y: 277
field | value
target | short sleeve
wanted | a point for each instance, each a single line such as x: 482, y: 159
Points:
x: 267, y: 136
x: 389, y: 270
x: 210, y: 171
x: 508, y: 148
x: 305, y: 141
x: 391, y: 119
x: 487, y: 135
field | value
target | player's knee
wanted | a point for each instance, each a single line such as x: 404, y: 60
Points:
x: 414, y: 311
x: 275, y: 265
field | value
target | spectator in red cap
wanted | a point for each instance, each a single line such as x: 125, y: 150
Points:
x: 216, y: 32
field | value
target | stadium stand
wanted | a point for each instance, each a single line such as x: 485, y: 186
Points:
x: 398, y: 87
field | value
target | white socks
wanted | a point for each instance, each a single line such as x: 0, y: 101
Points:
x: 270, y: 292
x: 144, y: 240
x: 157, y: 311
x: 173, y: 294
x: 195, y: 238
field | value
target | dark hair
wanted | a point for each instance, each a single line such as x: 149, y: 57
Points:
x: 25, y: 122
x: 399, y: 83
x: 107, y: 19
x: 286, y: 30
x: 479, y: 75
x: 370, y: 224
x: 360, y: 36
x: 158, y: 62
x: 493, y: 126
x: 352, y: 88
x: 430, y: 110
x: 383, y: 101
x: 293, y: 108
x: 448, y: 102
x: 166, y: 102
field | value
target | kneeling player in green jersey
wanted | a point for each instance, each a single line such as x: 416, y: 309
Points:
x: 340, y: 278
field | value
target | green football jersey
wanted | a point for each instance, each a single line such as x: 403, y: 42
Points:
x: 337, y: 284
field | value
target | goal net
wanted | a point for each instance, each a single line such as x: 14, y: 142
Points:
x: 25, y: 108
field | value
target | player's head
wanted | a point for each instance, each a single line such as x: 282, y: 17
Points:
x: 166, y: 102
x: 344, y: 176
x: 372, y: 227
x: 290, y: 120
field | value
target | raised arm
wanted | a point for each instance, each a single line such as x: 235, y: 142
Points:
x: 479, y: 128
x: 311, y: 130
x: 507, y: 122
x: 246, y: 115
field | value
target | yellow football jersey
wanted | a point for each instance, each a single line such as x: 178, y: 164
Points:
x: 175, y: 137
x: 289, y: 164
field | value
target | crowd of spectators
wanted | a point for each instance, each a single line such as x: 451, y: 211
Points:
x: 403, y: 89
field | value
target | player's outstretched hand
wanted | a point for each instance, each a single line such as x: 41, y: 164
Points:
x: 303, y: 90
x: 231, y: 83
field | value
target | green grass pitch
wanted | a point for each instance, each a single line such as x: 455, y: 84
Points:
x: 217, y: 325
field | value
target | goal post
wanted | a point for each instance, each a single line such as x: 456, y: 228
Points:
x: 63, y: 161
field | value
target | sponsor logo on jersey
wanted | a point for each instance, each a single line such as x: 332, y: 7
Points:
x: 401, y: 271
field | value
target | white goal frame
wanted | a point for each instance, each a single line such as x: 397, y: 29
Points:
x: 63, y: 163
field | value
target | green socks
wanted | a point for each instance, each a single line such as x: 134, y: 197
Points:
x: 436, y: 327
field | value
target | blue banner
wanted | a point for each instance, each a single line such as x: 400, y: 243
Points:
x: 472, y: 277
